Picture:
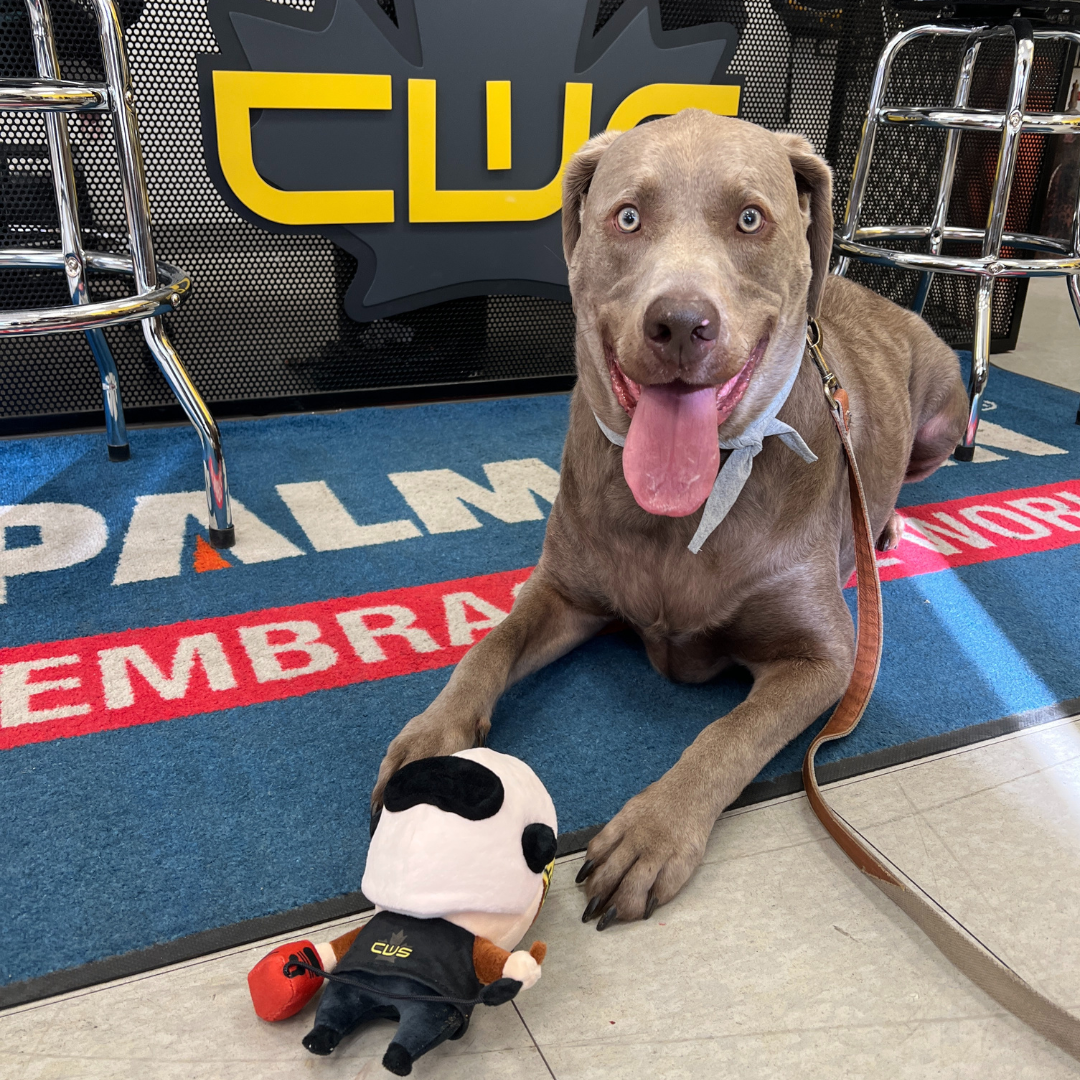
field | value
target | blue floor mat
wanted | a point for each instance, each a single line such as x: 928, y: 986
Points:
x: 123, y: 837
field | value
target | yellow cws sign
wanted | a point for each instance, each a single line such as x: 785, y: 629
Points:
x: 236, y: 93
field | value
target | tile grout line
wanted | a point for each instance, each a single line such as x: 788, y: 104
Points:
x: 534, y: 1042
x: 946, y: 910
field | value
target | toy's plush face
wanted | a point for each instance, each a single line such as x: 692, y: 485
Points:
x: 472, y: 833
x: 504, y: 930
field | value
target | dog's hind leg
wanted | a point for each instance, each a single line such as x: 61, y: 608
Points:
x: 935, y: 440
x: 941, y: 423
x: 889, y: 538
x: 542, y: 626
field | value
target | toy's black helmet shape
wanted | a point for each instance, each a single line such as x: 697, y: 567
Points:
x: 471, y: 832
x: 470, y: 790
x: 454, y: 784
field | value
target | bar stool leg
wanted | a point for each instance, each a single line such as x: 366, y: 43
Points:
x: 948, y: 171
x: 67, y: 209
x: 137, y: 207
x: 995, y: 226
x: 980, y: 368
x: 860, y: 174
x: 1074, y: 296
x: 115, y: 429
x: 222, y: 534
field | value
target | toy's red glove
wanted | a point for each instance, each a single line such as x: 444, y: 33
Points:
x: 277, y: 996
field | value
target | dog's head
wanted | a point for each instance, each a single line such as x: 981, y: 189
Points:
x: 697, y: 246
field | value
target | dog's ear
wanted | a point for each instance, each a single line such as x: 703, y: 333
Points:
x: 813, y: 178
x: 575, y: 186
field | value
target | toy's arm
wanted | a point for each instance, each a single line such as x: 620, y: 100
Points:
x: 340, y: 946
x: 492, y: 963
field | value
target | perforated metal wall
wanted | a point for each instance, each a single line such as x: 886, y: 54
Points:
x: 266, y: 319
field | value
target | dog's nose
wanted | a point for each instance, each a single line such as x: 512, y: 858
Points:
x: 681, y: 330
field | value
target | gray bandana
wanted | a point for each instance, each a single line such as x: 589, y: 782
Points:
x: 734, y: 473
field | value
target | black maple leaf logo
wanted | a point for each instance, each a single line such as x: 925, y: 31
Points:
x: 538, y: 47
x: 397, y: 939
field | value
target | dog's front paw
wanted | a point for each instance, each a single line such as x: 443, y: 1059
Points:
x: 643, y: 856
x: 431, y: 734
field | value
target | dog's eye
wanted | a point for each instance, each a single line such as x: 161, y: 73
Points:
x: 751, y: 219
x: 628, y: 220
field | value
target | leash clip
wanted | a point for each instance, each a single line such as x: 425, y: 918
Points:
x: 835, y: 393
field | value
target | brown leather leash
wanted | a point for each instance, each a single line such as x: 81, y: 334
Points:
x: 988, y: 971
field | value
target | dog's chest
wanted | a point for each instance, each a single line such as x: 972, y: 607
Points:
x: 613, y: 557
x: 670, y: 596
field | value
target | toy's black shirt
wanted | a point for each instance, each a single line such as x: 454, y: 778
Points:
x: 432, y: 951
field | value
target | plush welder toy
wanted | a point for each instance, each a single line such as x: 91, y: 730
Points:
x: 458, y: 868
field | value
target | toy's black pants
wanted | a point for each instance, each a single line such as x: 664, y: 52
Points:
x: 423, y: 1024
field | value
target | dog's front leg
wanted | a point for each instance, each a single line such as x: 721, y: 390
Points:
x: 542, y: 626
x: 648, y: 851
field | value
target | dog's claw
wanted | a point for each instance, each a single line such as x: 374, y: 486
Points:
x: 590, y: 909
x: 585, y: 871
x: 650, y: 905
x: 607, y: 918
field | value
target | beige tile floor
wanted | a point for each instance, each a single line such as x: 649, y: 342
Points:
x: 777, y: 960
x: 1048, y: 345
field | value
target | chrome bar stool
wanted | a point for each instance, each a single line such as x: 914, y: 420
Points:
x: 1051, y: 256
x: 159, y: 287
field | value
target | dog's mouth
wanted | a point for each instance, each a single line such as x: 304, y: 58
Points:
x: 671, y: 456
x: 728, y: 394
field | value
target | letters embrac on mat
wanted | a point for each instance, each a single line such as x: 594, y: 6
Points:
x: 188, y: 737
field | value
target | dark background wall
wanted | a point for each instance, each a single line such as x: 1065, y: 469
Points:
x: 266, y: 329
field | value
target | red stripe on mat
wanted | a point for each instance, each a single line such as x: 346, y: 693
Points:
x: 66, y: 688
x: 60, y: 689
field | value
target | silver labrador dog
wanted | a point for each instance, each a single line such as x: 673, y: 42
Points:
x: 697, y: 246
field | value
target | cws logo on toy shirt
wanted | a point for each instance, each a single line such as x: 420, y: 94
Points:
x: 431, y: 143
x: 394, y: 947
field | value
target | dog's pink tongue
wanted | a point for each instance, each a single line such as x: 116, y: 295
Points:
x: 671, y: 455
